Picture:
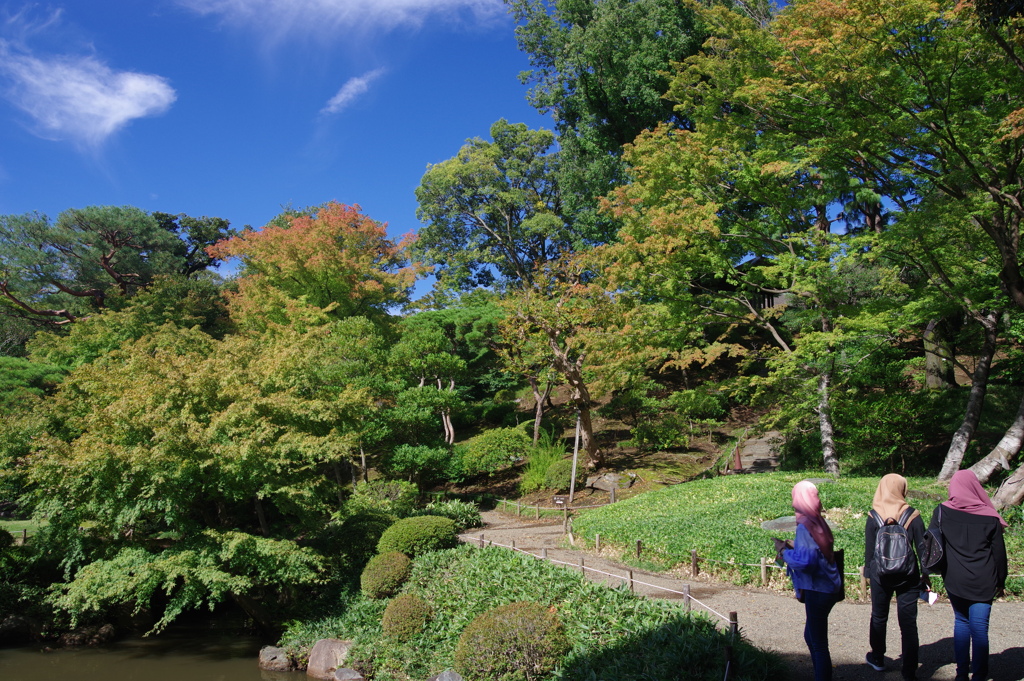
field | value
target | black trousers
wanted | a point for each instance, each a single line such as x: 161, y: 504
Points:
x: 907, y: 594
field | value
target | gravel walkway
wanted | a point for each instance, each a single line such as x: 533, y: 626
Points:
x: 775, y: 621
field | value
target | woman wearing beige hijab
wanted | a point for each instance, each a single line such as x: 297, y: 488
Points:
x: 890, y: 576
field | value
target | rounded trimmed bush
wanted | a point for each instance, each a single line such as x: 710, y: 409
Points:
x: 559, y: 475
x: 495, y: 449
x: 405, y: 616
x: 513, y: 642
x: 419, y: 534
x: 385, y: 574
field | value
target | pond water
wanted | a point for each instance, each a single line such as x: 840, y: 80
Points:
x: 200, y: 652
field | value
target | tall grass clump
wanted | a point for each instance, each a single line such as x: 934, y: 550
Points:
x: 539, y: 458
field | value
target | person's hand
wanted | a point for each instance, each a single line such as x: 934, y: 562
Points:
x: 781, y: 545
x: 926, y: 582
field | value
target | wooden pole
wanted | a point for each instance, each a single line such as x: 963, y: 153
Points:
x: 519, y: 508
x: 694, y: 568
x: 764, y: 571
x: 575, y: 458
x: 639, y: 548
x: 544, y: 553
x: 481, y: 540
x: 582, y: 569
x: 513, y: 544
x: 631, y: 587
x: 734, y: 623
x: 536, y: 512
x: 613, y: 495
x: 597, y: 542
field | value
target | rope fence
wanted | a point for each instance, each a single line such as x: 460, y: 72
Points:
x: 731, y: 620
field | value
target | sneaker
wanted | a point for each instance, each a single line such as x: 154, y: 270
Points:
x: 870, y: 659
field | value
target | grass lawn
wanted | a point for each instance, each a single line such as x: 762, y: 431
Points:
x: 16, y: 527
x: 721, y: 519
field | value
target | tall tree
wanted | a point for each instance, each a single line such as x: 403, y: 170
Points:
x: 55, y: 273
x: 492, y: 213
x: 600, y: 68
x: 331, y: 257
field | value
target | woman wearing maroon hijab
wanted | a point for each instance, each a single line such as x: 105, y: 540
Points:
x: 975, y: 571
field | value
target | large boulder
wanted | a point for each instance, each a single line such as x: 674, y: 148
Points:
x: 88, y: 636
x: 327, y: 655
x: 274, y: 659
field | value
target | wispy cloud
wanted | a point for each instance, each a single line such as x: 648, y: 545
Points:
x: 282, y: 16
x: 350, y: 91
x: 79, y: 98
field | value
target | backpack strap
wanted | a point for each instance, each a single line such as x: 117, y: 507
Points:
x: 878, y: 519
x: 905, y: 517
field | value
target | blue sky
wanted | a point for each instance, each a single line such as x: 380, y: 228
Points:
x: 236, y: 108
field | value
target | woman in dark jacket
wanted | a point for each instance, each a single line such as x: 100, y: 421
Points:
x: 890, y: 505
x: 975, y: 572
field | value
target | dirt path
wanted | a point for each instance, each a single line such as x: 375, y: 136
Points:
x: 775, y: 621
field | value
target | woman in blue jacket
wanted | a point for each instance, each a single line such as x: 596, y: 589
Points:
x: 811, y: 565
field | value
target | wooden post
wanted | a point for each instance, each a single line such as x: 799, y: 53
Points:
x: 24, y: 536
x: 597, y: 542
x: 686, y: 597
x: 737, y: 460
x: 536, y: 512
x: 513, y: 544
x: 582, y: 569
x: 764, y: 571
x: 694, y: 568
x: 544, y: 553
x: 863, y: 583
x: 519, y: 508
x: 631, y: 587
x: 481, y: 540
x: 734, y: 623
x: 639, y: 548
x: 613, y: 495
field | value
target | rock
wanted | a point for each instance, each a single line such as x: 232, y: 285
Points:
x: 15, y: 629
x: 327, y: 655
x: 446, y: 675
x: 609, y: 481
x: 88, y: 636
x: 345, y: 674
x: 273, y: 659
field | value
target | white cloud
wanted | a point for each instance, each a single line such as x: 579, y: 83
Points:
x: 79, y: 97
x: 282, y: 16
x: 350, y: 91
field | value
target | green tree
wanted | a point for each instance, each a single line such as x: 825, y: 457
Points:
x: 92, y: 258
x: 492, y: 213
x: 601, y: 69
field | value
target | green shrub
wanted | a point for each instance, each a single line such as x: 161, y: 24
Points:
x: 559, y: 474
x: 518, y: 641
x: 464, y: 513
x: 385, y: 574
x: 357, y: 536
x: 395, y: 497
x: 405, y: 617
x: 426, y: 465
x: 418, y: 535
x: 495, y: 449
x: 547, y: 451
x: 6, y: 539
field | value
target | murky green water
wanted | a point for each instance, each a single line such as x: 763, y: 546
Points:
x: 192, y: 653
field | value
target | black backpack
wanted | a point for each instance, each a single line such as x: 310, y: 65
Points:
x: 933, y: 556
x: 893, y: 553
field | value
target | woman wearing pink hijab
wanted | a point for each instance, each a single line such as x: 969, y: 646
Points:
x: 975, y: 571
x: 816, y: 580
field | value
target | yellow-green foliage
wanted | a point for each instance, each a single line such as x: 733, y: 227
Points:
x: 417, y: 535
x: 405, y: 617
x: 385, y: 574
x: 518, y: 641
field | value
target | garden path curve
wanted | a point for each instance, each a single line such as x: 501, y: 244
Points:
x: 774, y: 621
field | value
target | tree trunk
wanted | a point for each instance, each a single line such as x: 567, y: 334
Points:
x: 828, y: 441
x: 1004, y: 451
x: 538, y: 400
x: 1011, y: 492
x: 264, y: 525
x: 937, y: 353
x: 595, y: 458
x: 976, y: 400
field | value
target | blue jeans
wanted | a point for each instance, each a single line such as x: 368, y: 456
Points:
x: 970, y: 629
x: 817, y: 605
